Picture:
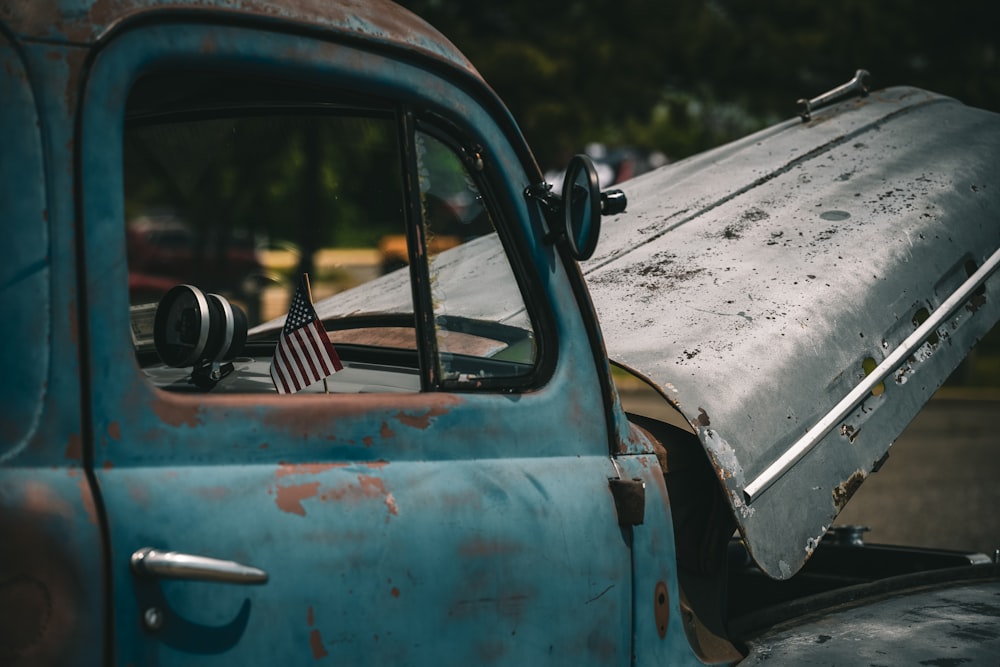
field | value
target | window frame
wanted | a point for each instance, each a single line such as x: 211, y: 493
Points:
x: 408, y: 119
x: 467, y: 150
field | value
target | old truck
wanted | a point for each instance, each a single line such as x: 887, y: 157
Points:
x: 470, y: 488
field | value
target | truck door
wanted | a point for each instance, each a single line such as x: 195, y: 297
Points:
x: 446, y: 493
x: 51, y: 584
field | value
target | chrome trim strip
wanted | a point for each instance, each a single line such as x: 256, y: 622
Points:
x: 803, y: 445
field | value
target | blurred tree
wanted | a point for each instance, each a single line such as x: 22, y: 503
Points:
x: 684, y: 75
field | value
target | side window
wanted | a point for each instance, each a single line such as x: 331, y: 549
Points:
x: 234, y: 193
x: 239, y: 191
x: 482, y: 326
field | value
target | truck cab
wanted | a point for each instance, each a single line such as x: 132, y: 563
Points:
x: 468, y: 485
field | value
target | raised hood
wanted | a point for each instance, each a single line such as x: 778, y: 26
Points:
x: 799, y: 294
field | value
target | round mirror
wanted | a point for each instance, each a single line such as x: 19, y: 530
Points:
x: 581, y: 197
x: 193, y: 328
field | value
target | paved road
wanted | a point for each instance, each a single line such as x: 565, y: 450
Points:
x: 941, y: 484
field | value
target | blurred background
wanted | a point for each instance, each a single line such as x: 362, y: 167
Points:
x: 679, y: 76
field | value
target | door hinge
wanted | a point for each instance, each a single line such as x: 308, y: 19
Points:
x: 630, y: 500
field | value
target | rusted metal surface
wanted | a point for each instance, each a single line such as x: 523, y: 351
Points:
x: 406, y: 560
x: 24, y: 276
x: 375, y: 21
x: 394, y: 528
x: 659, y: 632
x: 399, y: 528
x: 753, y: 284
x: 948, y: 625
x: 51, y: 585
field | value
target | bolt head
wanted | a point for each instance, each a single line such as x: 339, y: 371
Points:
x: 152, y: 618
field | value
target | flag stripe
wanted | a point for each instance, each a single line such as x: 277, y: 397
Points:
x: 276, y: 377
x: 279, y: 368
x: 304, y: 353
x: 290, y: 365
x: 309, y: 344
x: 331, y: 351
x: 294, y: 362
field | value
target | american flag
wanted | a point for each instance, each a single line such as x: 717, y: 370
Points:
x: 304, y: 353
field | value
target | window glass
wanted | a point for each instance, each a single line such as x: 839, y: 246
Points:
x: 483, y: 329
x: 242, y: 199
x: 237, y: 194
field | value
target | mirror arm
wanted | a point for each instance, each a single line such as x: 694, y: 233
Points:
x: 552, y: 206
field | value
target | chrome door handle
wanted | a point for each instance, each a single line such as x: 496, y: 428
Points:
x: 174, y: 565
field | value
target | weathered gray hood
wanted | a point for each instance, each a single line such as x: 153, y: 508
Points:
x: 755, y: 286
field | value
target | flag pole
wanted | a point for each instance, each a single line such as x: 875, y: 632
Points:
x: 309, y: 293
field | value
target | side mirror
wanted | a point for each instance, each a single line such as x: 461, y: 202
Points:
x: 581, y: 205
x: 574, y: 217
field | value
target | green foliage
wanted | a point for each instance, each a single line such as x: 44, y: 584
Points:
x: 314, y: 181
x: 685, y: 75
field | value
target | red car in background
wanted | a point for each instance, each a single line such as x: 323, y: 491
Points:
x: 164, y: 250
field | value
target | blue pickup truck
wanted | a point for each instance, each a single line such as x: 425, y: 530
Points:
x: 459, y: 480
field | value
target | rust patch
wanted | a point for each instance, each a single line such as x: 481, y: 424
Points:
x: 386, y: 432
x: 386, y: 21
x: 390, y: 503
x: 39, y: 499
x: 303, y: 418
x: 74, y: 448
x: 702, y: 419
x: 367, y: 440
x: 286, y: 469
x: 176, y: 413
x: 975, y: 303
x: 395, y: 592
x: 661, y: 608
x: 488, y: 548
x: 309, y: 616
x: 108, y: 465
x: 367, y: 487
x: 289, y: 498
x: 115, y: 431
x: 850, y: 432
x: 843, y: 491
x: 316, y: 643
x: 371, y: 486
x: 87, y: 498
x: 422, y: 421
